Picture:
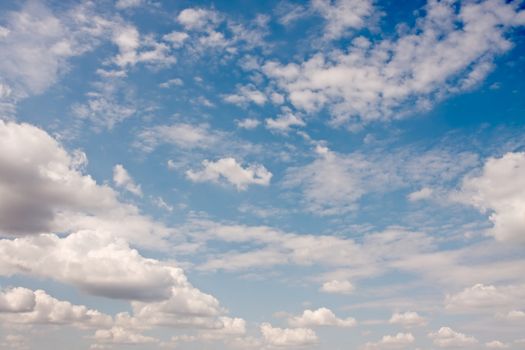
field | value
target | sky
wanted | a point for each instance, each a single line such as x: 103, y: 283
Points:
x: 323, y: 174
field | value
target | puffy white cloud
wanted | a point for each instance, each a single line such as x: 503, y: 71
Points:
x: 320, y: 317
x: 496, y: 344
x: 486, y: 298
x: 198, y: 18
x: 171, y: 82
x: 337, y: 287
x: 44, y: 190
x: 398, y: 341
x: 122, y: 179
x: 248, y: 123
x: 341, y: 15
x: 408, y: 319
x: 232, y: 172
x: 176, y: 39
x: 445, y: 337
x: 423, y: 193
x: 288, y: 337
x: 119, y: 335
x: 246, y: 94
x: 449, y: 50
x: 24, y: 306
x: 284, y: 122
x: 500, y: 189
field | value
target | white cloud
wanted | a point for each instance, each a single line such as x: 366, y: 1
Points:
x: 183, y: 135
x: 496, y: 344
x: 288, y: 337
x: 198, y: 18
x: 408, y: 319
x: 248, y: 123
x: 246, y: 94
x: 447, y: 338
x: 333, y: 183
x: 124, y: 180
x: 171, y: 82
x: 44, y: 190
x: 320, y: 317
x: 233, y: 172
x: 284, y: 122
x: 448, y: 51
x: 24, y: 306
x: 500, y: 189
x: 37, y: 44
x: 119, y: 335
x: 423, y: 193
x: 337, y: 287
x: 515, y: 315
x: 479, y: 298
x: 125, y: 4
x: 341, y: 15
x: 176, y: 39
x: 398, y: 341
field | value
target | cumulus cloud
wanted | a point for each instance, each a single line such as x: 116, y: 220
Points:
x: 119, y: 335
x: 233, y: 172
x: 320, y: 317
x: 198, y: 18
x: 496, y: 344
x: 445, y: 337
x: 337, y: 287
x: 24, y: 306
x: 44, y: 190
x: 398, y: 341
x: 500, y: 190
x: 448, y: 51
x: 480, y: 298
x: 122, y: 179
x: 408, y: 319
x: 284, y: 123
x: 288, y: 337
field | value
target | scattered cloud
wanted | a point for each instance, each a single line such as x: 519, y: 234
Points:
x: 320, y: 317
x: 288, y: 337
x: 337, y: 287
x: 123, y: 179
x: 231, y: 171
x: 445, y: 337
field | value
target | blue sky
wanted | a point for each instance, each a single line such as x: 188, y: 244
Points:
x: 324, y: 174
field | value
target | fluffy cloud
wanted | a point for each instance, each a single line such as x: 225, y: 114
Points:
x: 320, y: 317
x: 398, y: 341
x: 447, y: 338
x: 449, y: 50
x: 496, y: 344
x: 122, y: 179
x: 232, y: 172
x: 408, y: 319
x: 44, y: 190
x: 37, y: 44
x: 337, y: 287
x: 248, y: 123
x: 500, y: 189
x: 246, y: 94
x: 423, y: 193
x: 24, y: 306
x: 284, y: 123
x: 198, y: 18
x: 479, y: 298
x: 119, y: 335
x: 287, y: 337
x: 341, y: 15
